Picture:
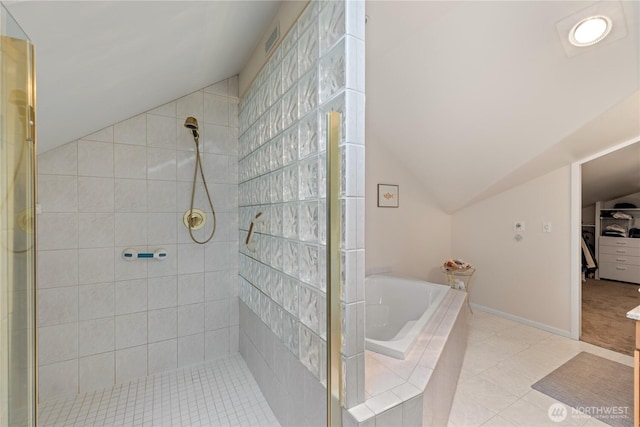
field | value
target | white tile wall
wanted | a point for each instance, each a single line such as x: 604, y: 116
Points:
x: 96, y: 372
x: 95, y: 336
x: 162, y: 356
x: 319, y: 67
x: 58, y: 343
x: 131, y: 330
x: 128, y: 185
x: 131, y: 363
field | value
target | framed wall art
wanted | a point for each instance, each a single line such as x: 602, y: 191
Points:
x: 388, y: 195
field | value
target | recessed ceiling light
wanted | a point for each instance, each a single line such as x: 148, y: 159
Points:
x: 590, y: 31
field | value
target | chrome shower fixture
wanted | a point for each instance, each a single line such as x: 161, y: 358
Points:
x: 192, y: 124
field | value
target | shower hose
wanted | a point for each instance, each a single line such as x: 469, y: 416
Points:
x: 193, y: 192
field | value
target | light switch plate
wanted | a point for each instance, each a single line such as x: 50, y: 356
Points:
x: 519, y: 226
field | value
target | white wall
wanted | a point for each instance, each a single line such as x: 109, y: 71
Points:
x: 589, y: 214
x: 412, y: 240
x: 529, y: 279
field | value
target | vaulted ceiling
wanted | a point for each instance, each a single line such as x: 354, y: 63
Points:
x: 472, y: 97
x: 100, y: 62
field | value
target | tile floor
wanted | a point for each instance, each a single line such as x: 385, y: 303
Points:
x: 218, y: 393
x: 503, y: 359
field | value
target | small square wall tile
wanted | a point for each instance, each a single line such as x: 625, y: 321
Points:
x: 217, y: 139
x: 190, y: 105
x: 57, y: 268
x: 130, y: 195
x: 190, y: 288
x: 95, y: 158
x: 190, y: 258
x: 161, y: 229
x: 161, y: 196
x: 161, y: 163
x: 57, y: 193
x: 131, y: 296
x: 163, y: 292
x: 57, y: 306
x: 95, y: 230
x: 161, y: 131
x: 57, y: 231
x: 130, y: 229
x: 163, y: 324
x: 190, y: 349
x: 131, y: 330
x: 61, y: 160
x: 216, y: 343
x: 220, y: 256
x: 96, y: 372
x: 57, y: 343
x: 96, y: 336
x: 162, y: 356
x: 216, y: 109
x: 95, y: 265
x: 131, y: 363
x: 218, y: 284
x: 130, y: 161
x: 131, y: 131
x: 95, y: 194
x: 190, y: 319
x: 96, y: 301
x: 216, y: 314
x: 57, y: 379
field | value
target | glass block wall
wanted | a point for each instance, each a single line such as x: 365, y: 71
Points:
x: 318, y: 67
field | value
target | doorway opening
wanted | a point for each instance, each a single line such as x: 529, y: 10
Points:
x: 606, y: 273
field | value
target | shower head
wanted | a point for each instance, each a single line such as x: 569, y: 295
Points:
x: 192, y: 124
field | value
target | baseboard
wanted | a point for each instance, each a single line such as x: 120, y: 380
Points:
x: 522, y: 320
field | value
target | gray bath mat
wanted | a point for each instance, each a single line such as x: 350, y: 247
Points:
x: 596, y: 386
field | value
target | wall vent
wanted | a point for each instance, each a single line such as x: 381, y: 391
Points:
x: 273, y: 38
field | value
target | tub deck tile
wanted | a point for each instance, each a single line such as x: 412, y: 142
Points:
x: 390, y: 382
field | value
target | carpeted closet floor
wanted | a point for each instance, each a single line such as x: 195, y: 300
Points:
x: 605, y: 304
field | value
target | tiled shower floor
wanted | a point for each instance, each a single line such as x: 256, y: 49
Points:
x: 218, y: 393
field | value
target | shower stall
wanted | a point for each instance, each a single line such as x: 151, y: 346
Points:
x: 17, y: 225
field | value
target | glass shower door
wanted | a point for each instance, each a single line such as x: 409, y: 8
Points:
x: 17, y: 226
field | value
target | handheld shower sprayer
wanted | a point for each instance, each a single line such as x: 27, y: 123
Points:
x: 192, y: 124
x: 195, y: 218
